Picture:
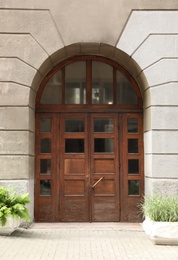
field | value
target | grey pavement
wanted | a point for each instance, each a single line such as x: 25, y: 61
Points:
x: 74, y: 241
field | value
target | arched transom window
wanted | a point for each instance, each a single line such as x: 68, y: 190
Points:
x: 89, y: 80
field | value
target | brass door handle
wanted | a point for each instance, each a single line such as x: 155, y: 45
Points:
x: 97, y: 182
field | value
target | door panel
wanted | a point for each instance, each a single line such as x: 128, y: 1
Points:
x: 104, y: 168
x: 74, y: 167
x: 46, y: 171
x: 132, y: 166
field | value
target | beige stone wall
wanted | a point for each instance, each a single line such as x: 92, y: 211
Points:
x: 36, y: 35
x: 154, y: 48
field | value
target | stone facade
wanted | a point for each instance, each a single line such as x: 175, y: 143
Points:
x: 141, y: 36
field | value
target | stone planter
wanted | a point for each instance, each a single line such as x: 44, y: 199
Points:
x: 11, y: 225
x: 161, y: 233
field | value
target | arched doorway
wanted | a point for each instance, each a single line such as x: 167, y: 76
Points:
x: 89, y: 143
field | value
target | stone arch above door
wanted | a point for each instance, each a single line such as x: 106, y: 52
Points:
x: 100, y: 49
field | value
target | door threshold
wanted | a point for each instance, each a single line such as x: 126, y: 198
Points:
x: 123, y: 226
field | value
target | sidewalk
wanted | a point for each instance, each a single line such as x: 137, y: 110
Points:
x: 82, y: 241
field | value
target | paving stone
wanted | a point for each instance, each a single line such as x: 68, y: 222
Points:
x: 77, y: 242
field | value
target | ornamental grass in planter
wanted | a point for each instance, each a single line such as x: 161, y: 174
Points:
x: 12, y: 210
x: 161, y: 219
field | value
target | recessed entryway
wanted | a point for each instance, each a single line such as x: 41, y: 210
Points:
x: 89, y: 144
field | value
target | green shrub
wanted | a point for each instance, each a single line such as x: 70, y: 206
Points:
x: 159, y: 208
x: 13, y: 204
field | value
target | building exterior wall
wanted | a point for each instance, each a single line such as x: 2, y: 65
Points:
x: 141, y: 36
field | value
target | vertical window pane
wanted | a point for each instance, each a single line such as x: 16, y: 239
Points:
x: 45, y: 125
x: 75, y: 83
x: 125, y: 93
x: 74, y: 146
x: 52, y: 93
x: 133, y: 166
x: 133, y: 187
x: 132, y: 145
x: 45, y: 145
x: 102, y: 83
x: 45, y: 166
x: 132, y: 124
x: 74, y: 125
x: 103, y: 125
x: 45, y: 187
x: 103, y: 145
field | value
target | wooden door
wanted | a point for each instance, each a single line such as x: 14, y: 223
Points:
x: 89, y: 167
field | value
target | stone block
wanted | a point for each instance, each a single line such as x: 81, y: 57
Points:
x: 107, y: 50
x: 38, y: 23
x: 162, y: 95
x: 161, y: 166
x: 162, y: 72
x: 148, y: 142
x: 26, y: 49
x: 32, y: 99
x: 143, y: 23
x: 73, y: 49
x: 92, y: 48
x: 15, y: 70
x: 17, y: 118
x: 13, y: 94
x: 162, y: 142
x: 147, y: 97
x: 162, y: 118
x: 16, y: 142
x: 165, y: 187
x: 147, y: 119
x: 16, y: 167
x: 74, y: 26
x: 156, y: 47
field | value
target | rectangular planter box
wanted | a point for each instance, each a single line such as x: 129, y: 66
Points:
x: 161, y: 233
x: 11, y: 225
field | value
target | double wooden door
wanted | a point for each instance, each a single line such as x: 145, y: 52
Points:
x: 89, y: 167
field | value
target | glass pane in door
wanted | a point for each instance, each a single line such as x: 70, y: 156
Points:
x: 73, y: 125
x: 74, y: 145
x: 75, y: 83
x: 132, y: 125
x: 125, y: 93
x: 52, y: 93
x: 133, y: 166
x: 45, y: 125
x: 45, y: 145
x: 133, y: 187
x: 45, y: 187
x: 45, y: 166
x: 103, y: 145
x: 103, y: 125
x: 102, y: 83
x: 132, y: 145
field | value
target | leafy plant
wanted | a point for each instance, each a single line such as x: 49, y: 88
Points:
x: 13, y: 204
x: 159, y: 208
